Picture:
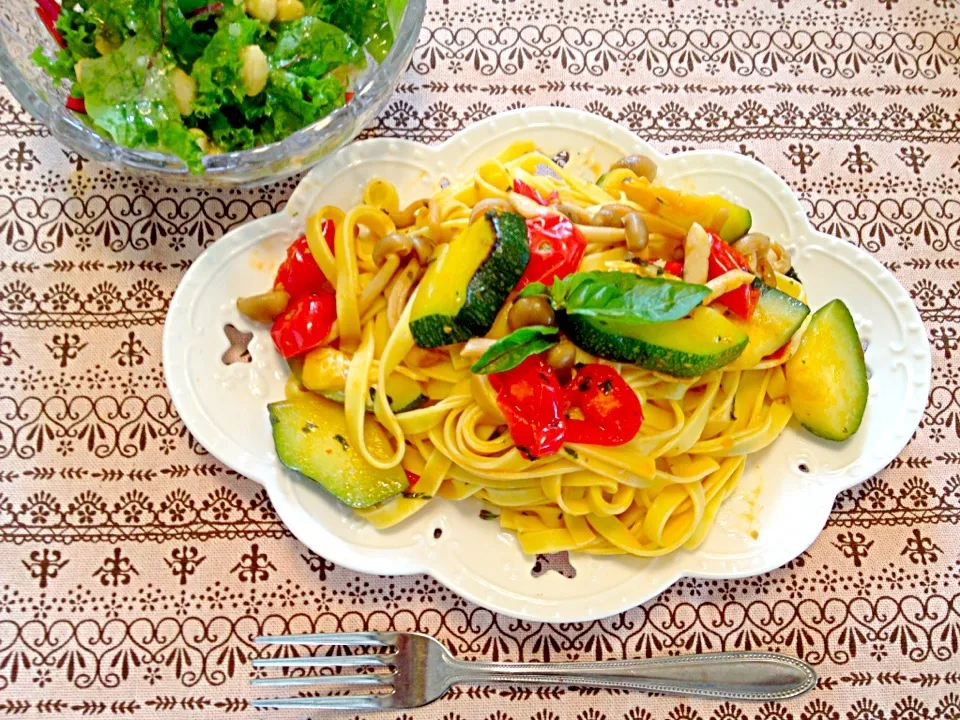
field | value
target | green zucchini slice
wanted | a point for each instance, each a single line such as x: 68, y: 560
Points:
x: 469, y: 280
x: 827, y: 376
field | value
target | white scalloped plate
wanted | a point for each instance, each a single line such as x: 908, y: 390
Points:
x: 777, y: 511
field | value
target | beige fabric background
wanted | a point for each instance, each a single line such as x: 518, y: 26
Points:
x: 134, y: 568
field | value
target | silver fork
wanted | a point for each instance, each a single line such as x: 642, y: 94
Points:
x: 419, y: 670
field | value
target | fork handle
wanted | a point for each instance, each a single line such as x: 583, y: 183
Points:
x: 729, y: 675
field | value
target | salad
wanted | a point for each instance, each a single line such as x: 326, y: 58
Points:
x: 192, y: 77
x: 597, y: 359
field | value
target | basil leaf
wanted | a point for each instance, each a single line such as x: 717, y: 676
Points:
x: 629, y: 298
x: 555, y: 291
x: 534, y: 289
x: 558, y: 292
x: 508, y: 352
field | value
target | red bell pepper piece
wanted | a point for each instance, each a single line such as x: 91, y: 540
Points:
x: 723, y: 258
x: 522, y: 188
x: 76, y: 104
x: 674, y: 268
x: 50, y: 22
x: 305, y: 324
x: 299, y: 274
x: 412, y: 478
x: 531, y: 399
x: 610, y: 411
x: 556, y: 248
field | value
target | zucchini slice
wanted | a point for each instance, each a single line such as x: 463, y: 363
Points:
x: 310, y: 434
x: 683, y: 209
x: 469, y: 280
x: 776, y: 318
x: 687, y: 347
x: 827, y: 376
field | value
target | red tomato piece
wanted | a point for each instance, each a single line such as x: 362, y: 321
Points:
x: 412, y: 478
x: 305, y: 324
x: 556, y: 248
x: 723, y: 258
x: 522, y: 188
x: 609, y: 410
x: 531, y: 399
x: 299, y: 274
x: 51, y: 8
x: 76, y: 104
x: 674, y: 268
x: 49, y: 22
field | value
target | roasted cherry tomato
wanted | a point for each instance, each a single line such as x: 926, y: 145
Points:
x: 531, y: 399
x: 556, y: 248
x: 299, y: 274
x: 601, y: 409
x: 723, y: 258
x: 412, y: 478
x: 521, y: 188
x: 305, y: 324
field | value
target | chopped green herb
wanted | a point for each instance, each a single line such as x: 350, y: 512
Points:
x: 487, y: 515
x: 342, y: 440
x: 571, y: 452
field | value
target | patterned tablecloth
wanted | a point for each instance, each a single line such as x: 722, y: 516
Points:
x: 135, y: 568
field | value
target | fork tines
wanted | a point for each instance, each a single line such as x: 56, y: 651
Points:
x: 334, y: 702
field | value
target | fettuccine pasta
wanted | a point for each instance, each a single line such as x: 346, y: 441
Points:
x: 648, y: 495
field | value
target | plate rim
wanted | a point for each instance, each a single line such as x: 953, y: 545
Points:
x: 352, y: 556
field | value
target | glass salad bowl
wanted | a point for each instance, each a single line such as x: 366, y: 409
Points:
x: 21, y: 32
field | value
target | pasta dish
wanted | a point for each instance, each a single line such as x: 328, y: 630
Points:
x: 593, y: 358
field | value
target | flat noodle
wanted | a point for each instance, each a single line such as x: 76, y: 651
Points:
x: 651, y: 496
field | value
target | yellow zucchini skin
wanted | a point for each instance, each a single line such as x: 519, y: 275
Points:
x: 310, y: 434
x: 827, y: 376
x: 681, y: 209
x: 469, y: 281
x: 776, y: 318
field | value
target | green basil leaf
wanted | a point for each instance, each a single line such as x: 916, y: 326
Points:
x: 629, y: 298
x: 558, y: 292
x: 534, y: 289
x: 508, y: 352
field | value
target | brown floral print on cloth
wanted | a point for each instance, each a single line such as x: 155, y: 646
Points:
x: 137, y: 569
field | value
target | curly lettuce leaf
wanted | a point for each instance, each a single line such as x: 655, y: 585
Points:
x: 294, y: 101
x: 59, y: 67
x: 229, y: 136
x: 218, y: 71
x: 312, y: 48
x: 81, y: 22
x: 371, y: 23
x: 129, y: 97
